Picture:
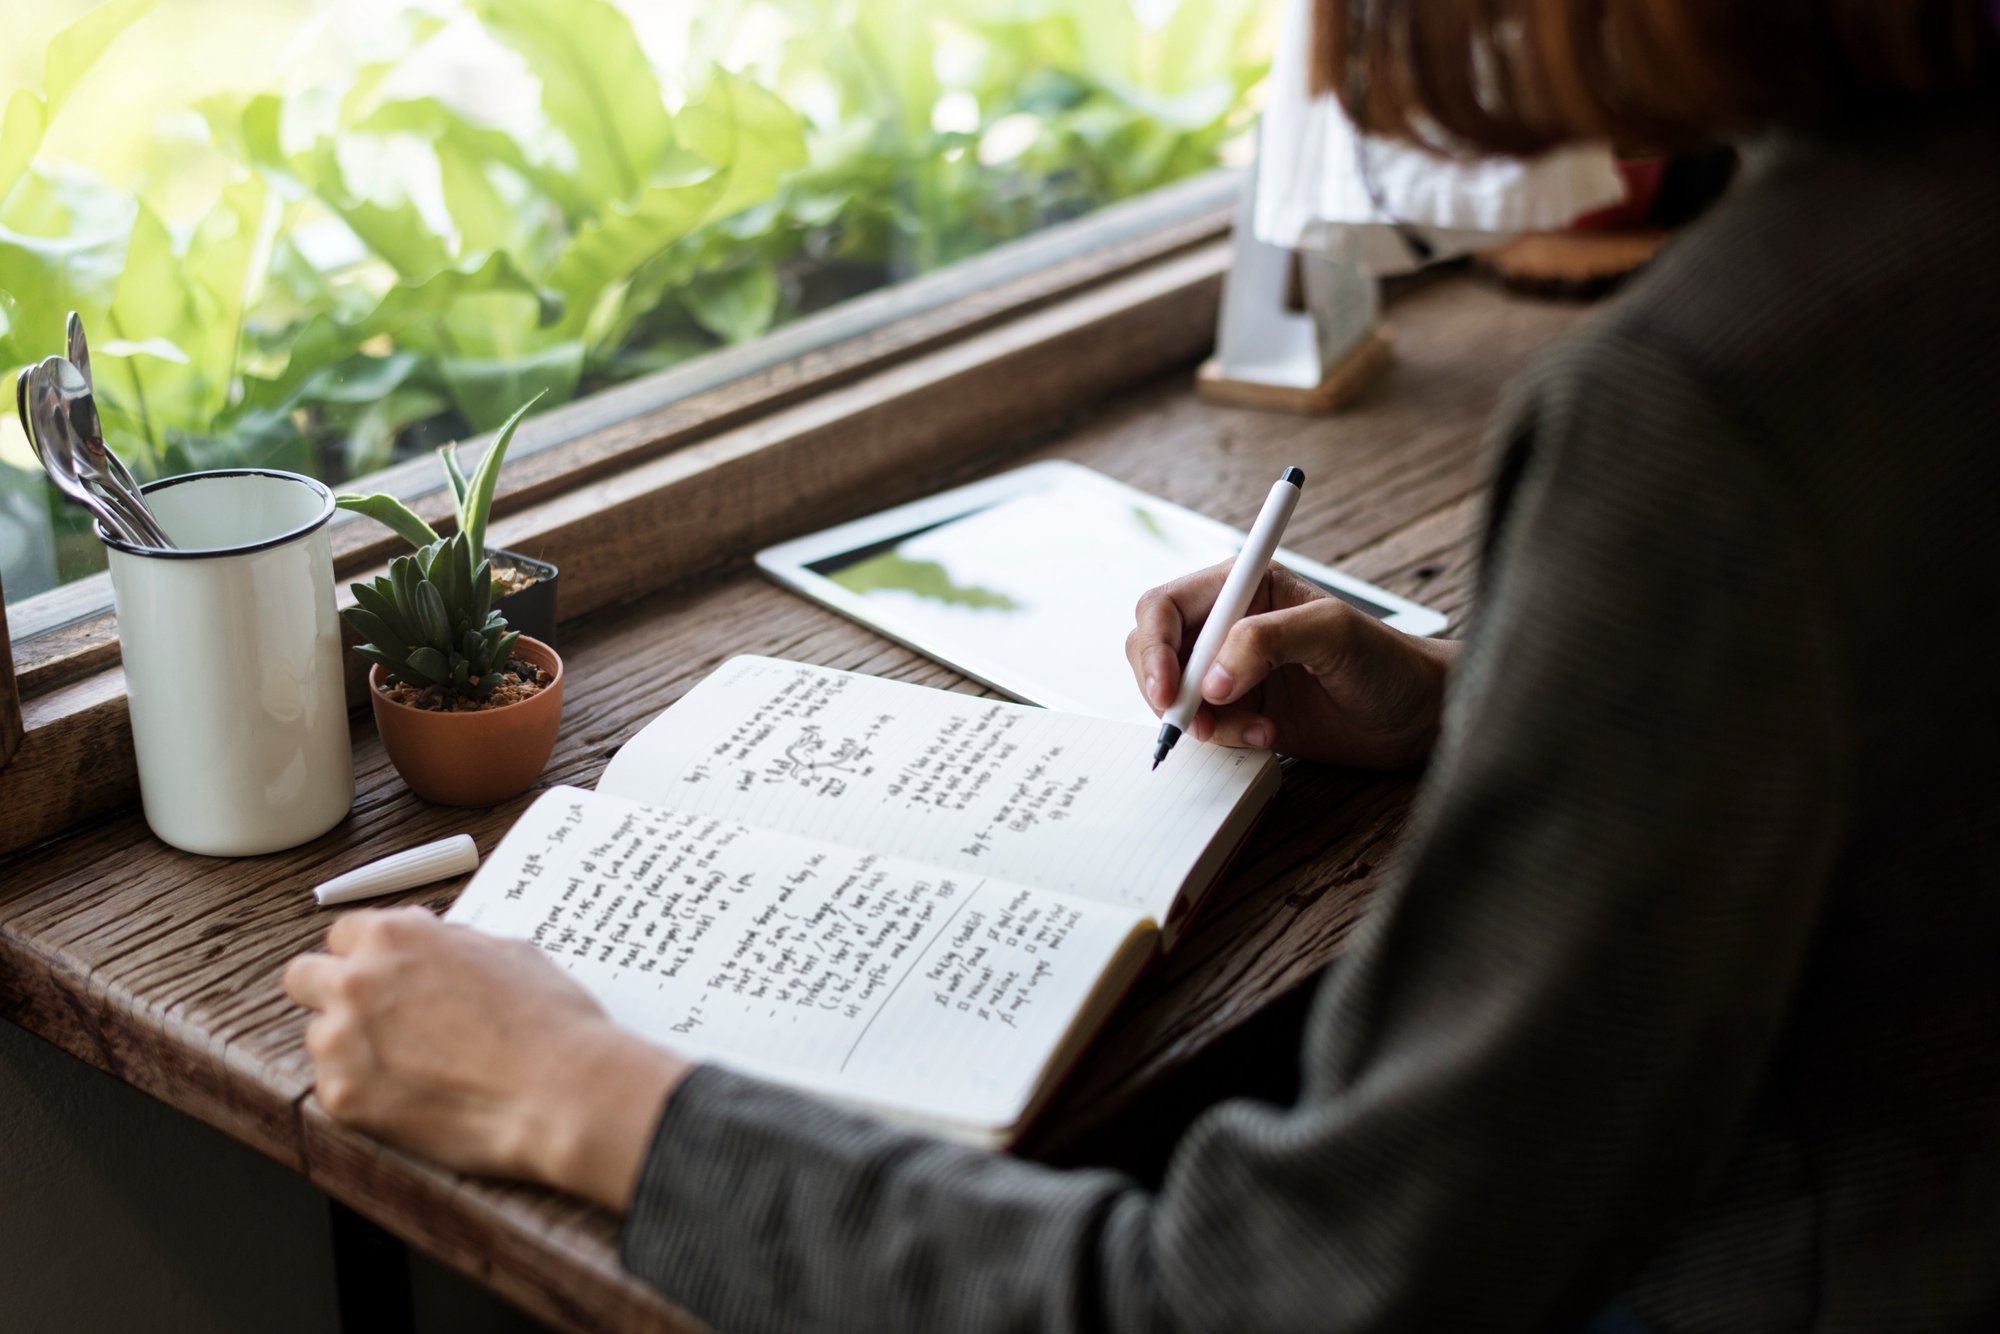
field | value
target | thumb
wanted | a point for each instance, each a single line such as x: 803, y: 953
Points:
x: 1308, y: 635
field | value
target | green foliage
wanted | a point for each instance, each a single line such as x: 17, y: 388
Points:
x: 392, y: 513
x: 475, y: 495
x: 1065, y: 105
x: 891, y: 571
x: 378, y: 271
x: 431, y: 622
x: 472, y: 497
x: 70, y: 55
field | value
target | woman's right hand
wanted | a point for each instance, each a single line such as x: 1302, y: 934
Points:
x: 1302, y: 672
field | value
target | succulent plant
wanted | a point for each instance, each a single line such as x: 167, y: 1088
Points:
x: 472, y: 497
x: 430, y: 621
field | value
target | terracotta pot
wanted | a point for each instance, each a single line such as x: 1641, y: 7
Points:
x: 473, y: 759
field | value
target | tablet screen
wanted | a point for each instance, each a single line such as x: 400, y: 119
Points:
x: 1037, y: 587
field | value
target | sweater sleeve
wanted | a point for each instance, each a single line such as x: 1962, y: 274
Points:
x: 1548, y: 1033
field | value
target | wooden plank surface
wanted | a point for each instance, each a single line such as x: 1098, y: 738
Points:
x: 162, y: 968
x: 10, y: 693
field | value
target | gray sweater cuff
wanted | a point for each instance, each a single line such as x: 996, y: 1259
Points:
x: 758, y: 1208
x: 713, y: 1190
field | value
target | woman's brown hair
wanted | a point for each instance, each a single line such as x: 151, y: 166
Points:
x: 1519, y: 76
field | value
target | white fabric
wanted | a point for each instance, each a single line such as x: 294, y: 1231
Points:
x: 1311, y: 195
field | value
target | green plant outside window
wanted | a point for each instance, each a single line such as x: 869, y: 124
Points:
x: 377, y: 244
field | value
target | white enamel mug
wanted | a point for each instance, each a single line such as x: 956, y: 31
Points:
x: 232, y: 663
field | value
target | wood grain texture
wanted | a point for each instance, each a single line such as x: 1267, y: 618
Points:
x: 10, y: 693
x: 162, y: 968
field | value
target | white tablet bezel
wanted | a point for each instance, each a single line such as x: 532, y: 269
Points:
x: 790, y: 564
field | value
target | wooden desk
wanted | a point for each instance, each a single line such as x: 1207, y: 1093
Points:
x: 162, y: 968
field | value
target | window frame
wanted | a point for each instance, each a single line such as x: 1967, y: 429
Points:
x: 913, y: 385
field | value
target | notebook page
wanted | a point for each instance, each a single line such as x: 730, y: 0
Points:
x: 862, y: 977
x: 978, y: 785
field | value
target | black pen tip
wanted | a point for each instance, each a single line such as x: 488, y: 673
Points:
x: 1168, y: 735
x: 1296, y: 476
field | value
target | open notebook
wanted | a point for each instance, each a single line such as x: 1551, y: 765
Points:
x: 909, y: 900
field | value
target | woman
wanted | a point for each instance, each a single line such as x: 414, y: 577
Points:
x: 1680, y: 1012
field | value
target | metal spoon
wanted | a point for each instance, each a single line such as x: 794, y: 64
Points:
x: 21, y: 406
x: 61, y: 446
x: 83, y: 409
x: 95, y: 463
x: 49, y: 427
x: 77, y: 349
x: 83, y: 413
x: 138, y: 519
x: 64, y: 457
x: 89, y: 430
x: 45, y: 415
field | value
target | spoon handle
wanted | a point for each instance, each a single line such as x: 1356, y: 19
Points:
x: 98, y: 463
x: 109, y: 517
x: 124, y: 476
x: 124, y: 490
x: 145, y: 530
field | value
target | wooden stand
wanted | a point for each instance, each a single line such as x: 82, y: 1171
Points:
x: 1342, y: 383
x: 1576, y: 266
x: 1297, y: 332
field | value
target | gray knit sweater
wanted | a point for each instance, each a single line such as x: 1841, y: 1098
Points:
x: 1685, y: 994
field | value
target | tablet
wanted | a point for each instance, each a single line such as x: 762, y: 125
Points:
x: 1026, y: 581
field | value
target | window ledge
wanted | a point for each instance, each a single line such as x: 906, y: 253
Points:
x: 643, y: 518
x: 69, y: 632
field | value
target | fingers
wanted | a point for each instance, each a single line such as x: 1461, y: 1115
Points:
x: 315, y: 980
x: 1167, y: 618
x: 1242, y: 728
x: 1289, y: 589
x: 366, y: 926
x: 311, y: 979
x: 1153, y: 648
x: 1312, y: 635
x: 345, y: 1070
x: 1236, y: 726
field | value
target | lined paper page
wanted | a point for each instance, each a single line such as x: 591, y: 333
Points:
x: 974, y: 785
x: 860, y: 976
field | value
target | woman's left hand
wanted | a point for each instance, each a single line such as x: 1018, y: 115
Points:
x: 478, y: 1052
